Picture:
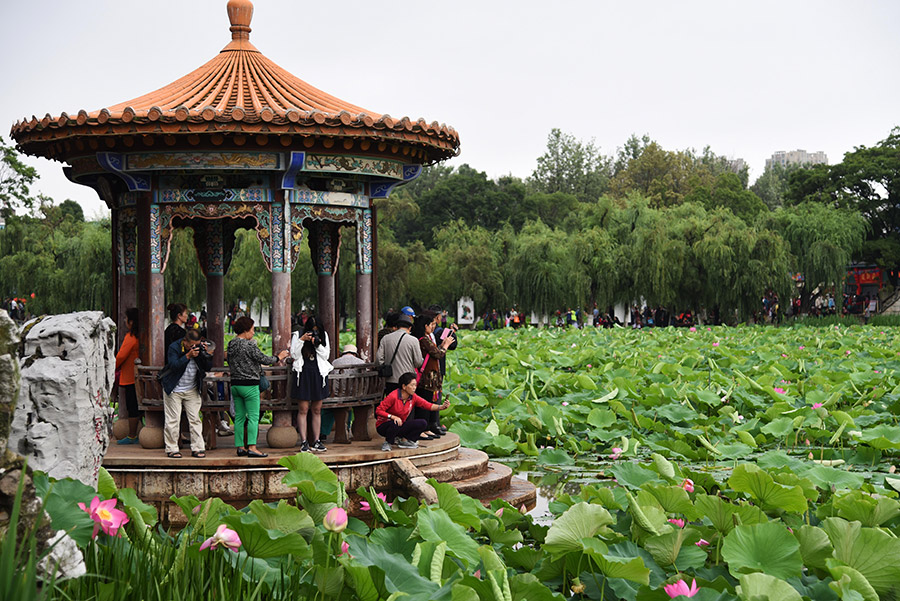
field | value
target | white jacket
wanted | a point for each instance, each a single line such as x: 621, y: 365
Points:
x: 322, y: 354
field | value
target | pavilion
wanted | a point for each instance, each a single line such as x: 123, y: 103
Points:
x: 239, y: 143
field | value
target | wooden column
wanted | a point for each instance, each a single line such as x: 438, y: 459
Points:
x: 282, y: 434
x: 151, y: 305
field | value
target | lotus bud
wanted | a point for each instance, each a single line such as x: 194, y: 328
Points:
x: 335, y: 520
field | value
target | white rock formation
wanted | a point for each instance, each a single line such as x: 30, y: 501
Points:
x: 61, y: 421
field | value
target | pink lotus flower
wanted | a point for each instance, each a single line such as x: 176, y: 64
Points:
x: 816, y: 405
x: 499, y: 513
x: 344, y: 548
x: 715, y: 344
x: 680, y: 589
x: 335, y: 520
x: 709, y: 329
x: 877, y: 372
x: 779, y: 390
x: 677, y: 521
x: 225, y: 537
x: 522, y: 509
x: 105, y: 516
x: 802, y: 347
x: 783, y: 355
x: 702, y: 543
x: 688, y: 485
x: 848, y: 352
x: 616, y: 453
x: 807, y: 442
x: 565, y: 403
x: 693, y: 329
x: 477, y: 574
x: 590, y: 366
x: 364, y: 505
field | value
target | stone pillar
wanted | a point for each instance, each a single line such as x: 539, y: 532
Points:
x: 282, y: 434
x: 364, y: 301
x: 151, y: 304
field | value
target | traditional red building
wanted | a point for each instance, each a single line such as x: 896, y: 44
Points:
x: 238, y: 143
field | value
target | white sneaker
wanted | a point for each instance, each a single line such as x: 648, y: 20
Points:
x: 386, y: 446
x: 407, y: 444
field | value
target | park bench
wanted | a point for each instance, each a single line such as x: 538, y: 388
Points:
x: 357, y: 387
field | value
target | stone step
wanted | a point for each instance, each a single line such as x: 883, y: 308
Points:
x: 469, y: 463
x: 492, y: 482
x: 519, y: 492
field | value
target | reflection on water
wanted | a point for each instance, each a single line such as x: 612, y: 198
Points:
x: 554, y: 480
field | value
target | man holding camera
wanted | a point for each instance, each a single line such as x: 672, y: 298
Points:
x: 187, y: 363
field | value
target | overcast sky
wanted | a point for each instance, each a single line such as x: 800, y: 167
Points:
x: 746, y: 78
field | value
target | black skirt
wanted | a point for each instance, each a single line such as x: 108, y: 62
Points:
x: 311, y: 387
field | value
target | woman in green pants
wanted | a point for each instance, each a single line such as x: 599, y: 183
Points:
x: 245, y: 358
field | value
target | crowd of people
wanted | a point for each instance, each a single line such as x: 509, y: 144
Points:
x: 411, y: 355
x: 16, y: 308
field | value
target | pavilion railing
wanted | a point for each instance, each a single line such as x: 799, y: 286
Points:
x: 358, y: 387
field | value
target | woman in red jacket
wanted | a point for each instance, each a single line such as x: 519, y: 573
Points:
x: 392, y: 416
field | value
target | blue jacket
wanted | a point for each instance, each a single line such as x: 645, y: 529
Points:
x: 176, y: 363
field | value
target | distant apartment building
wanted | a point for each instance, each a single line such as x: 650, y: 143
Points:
x: 736, y: 165
x: 797, y: 157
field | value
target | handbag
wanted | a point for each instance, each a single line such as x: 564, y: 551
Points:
x: 264, y: 384
x: 386, y: 370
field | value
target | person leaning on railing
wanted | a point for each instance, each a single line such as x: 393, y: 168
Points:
x: 244, y: 359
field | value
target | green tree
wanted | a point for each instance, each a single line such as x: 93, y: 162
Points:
x: 822, y: 240
x: 772, y: 186
x: 538, y: 268
x: 16, y: 179
x: 183, y: 279
x: 471, y: 261
x: 572, y: 167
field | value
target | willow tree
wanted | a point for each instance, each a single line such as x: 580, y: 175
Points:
x: 822, y: 240
x: 470, y: 262
x: 738, y: 263
x: 184, y: 280
x: 539, y: 269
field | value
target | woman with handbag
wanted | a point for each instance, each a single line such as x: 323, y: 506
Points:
x: 428, y: 374
x: 245, y: 358
x: 310, y: 351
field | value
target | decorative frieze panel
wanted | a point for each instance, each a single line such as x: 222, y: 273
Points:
x: 213, y: 195
x: 317, y: 197
x: 151, y: 161
x: 350, y: 164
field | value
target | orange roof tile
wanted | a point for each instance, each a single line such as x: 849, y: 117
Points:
x: 243, y: 88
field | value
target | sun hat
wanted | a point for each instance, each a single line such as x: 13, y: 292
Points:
x: 349, y: 348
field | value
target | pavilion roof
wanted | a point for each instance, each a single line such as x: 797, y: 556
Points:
x: 239, y: 91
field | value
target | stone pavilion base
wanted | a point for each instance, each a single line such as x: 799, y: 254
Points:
x: 239, y: 480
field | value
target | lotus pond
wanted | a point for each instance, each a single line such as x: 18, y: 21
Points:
x: 717, y: 464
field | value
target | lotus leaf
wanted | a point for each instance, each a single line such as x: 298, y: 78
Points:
x: 767, y: 548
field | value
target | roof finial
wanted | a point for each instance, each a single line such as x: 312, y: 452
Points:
x: 240, y: 12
